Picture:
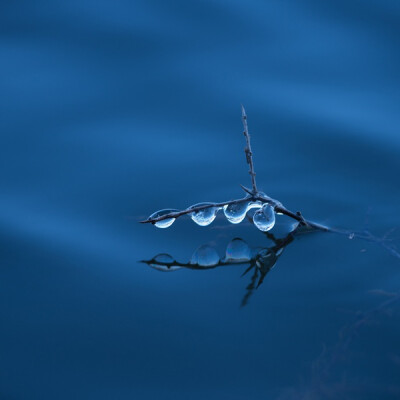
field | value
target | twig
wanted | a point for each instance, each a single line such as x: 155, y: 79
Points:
x: 253, y: 195
x: 261, y: 198
x: 248, y: 152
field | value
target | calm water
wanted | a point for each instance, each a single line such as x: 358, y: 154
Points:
x: 112, y: 110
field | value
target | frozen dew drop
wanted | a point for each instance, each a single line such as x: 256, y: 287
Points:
x: 264, y: 218
x: 237, y: 250
x: 165, y: 223
x: 254, y: 204
x: 205, y: 256
x: 257, y: 203
x: 164, y: 258
x: 236, y: 213
x: 204, y: 216
x: 163, y: 263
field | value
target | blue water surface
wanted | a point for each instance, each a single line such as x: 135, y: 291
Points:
x: 113, y: 110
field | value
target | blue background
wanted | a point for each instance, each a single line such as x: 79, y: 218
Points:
x: 112, y: 110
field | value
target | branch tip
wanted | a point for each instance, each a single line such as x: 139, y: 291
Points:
x: 248, y: 152
x: 243, y: 112
x: 247, y: 190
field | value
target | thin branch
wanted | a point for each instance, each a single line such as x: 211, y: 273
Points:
x: 253, y: 195
x: 221, y: 263
x: 278, y: 207
x: 248, y: 152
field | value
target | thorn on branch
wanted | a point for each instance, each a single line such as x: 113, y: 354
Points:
x: 247, y: 190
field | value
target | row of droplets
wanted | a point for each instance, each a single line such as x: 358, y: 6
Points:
x: 263, y: 218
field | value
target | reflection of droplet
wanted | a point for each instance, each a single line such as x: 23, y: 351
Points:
x: 205, y: 256
x: 238, y: 250
x: 264, y: 218
x: 165, y: 223
x: 204, y: 216
x: 165, y: 259
x: 235, y: 213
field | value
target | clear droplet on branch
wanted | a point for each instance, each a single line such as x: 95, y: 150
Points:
x: 238, y: 250
x: 165, y: 261
x: 264, y: 218
x: 254, y: 204
x: 205, y: 256
x: 236, y: 213
x: 165, y: 223
x: 164, y: 258
x: 257, y: 203
x: 204, y: 216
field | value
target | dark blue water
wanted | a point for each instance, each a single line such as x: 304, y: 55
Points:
x: 112, y: 110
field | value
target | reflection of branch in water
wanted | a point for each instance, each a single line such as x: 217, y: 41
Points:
x: 266, y: 259
x: 204, y: 213
x: 323, y: 384
x: 260, y: 261
x: 238, y: 252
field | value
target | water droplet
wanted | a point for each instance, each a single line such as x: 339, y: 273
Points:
x: 165, y: 261
x: 164, y: 258
x: 264, y: 218
x: 238, y: 250
x: 205, y: 256
x: 165, y: 223
x: 204, y: 216
x: 236, y: 213
x: 254, y: 204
